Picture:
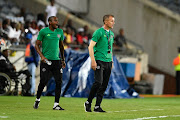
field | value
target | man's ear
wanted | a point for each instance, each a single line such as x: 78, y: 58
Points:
x: 105, y: 22
x: 50, y: 22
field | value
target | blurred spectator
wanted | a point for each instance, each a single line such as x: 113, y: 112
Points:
x: 176, y: 63
x: 34, y: 30
x: 1, y: 33
x: 41, y: 20
x: 20, y: 26
x: 32, y: 59
x: 14, y: 33
x: 27, y: 25
x: 79, y: 36
x: 120, y: 39
x: 70, y: 25
x: 86, y: 28
x: 22, y: 13
x: 5, y: 29
x: 68, y: 37
x: 40, y: 27
x: 51, y: 10
x: 25, y: 28
x: 81, y: 39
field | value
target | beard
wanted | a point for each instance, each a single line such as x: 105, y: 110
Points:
x: 55, y: 26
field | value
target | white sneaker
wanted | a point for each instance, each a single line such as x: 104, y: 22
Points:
x: 58, y: 108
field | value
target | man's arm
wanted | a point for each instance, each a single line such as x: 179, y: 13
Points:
x: 112, y: 62
x: 61, y: 47
x: 2, y: 65
x: 91, y: 54
x: 34, y: 55
x: 125, y: 42
x: 37, y: 47
x: 66, y: 19
x: 5, y: 67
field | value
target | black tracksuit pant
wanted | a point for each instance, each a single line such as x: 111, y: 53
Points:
x: 46, y: 71
x: 102, y: 75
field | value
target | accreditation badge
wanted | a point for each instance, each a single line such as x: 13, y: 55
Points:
x: 111, y: 36
x: 61, y: 70
x: 58, y: 35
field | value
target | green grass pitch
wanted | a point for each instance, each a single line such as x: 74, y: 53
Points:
x: 21, y: 108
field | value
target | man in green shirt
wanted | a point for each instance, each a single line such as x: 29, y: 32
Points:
x: 100, y: 51
x: 51, y: 39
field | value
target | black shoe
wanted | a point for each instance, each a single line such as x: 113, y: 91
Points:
x: 87, y: 107
x: 99, y: 109
x: 36, y: 104
x: 58, y: 108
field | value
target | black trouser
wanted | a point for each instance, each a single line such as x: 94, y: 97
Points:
x: 46, y: 71
x: 102, y: 74
x: 178, y: 82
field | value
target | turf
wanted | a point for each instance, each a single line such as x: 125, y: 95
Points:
x: 21, y: 108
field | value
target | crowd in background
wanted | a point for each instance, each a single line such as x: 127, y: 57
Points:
x: 14, y: 28
x: 16, y: 22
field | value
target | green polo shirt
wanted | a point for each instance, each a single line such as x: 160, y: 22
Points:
x: 101, y: 36
x: 50, y: 42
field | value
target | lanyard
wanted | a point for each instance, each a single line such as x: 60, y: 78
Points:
x: 109, y: 39
x: 107, y: 36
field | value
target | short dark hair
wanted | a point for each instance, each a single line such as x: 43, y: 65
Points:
x: 105, y: 17
x: 121, y: 29
x: 50, y: 18
x: 52, y: 0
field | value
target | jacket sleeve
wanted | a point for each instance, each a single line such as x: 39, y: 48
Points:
x: 5, y: 67
x: 34, y: 55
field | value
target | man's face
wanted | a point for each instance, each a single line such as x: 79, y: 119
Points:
x: 54, y: 22
x: 121, y: 32
x: 110, y: 22
x: 52, y: 2
x: 5, y: 53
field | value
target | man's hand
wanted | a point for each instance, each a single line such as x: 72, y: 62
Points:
x: 112, y: 65
x: 91, y: 54
x: 43, y: 59
x: 14, y: 68
x: 63, y: 64
x: 93, y: 65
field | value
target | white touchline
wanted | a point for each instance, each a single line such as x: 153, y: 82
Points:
x: 147, y: 118
x: 135, y: 110
x: 3, y: 116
